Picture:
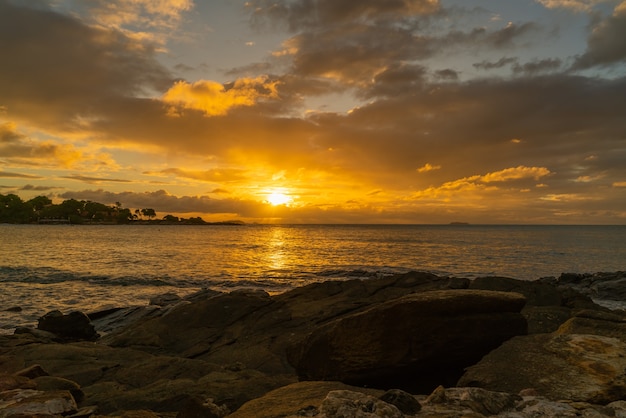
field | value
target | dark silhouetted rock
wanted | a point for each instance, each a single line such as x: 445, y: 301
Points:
x: 405, y: 402
x: 416, y: 341
x: 32, y: 372
x: 195, y: 407
x: 165, y: 299
x: 74, y: 326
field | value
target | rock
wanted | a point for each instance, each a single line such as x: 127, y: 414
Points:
x: 9, y: 382
x: 579, y: 367
x: 608, y: 324
x: 13, y: 309
x: 196, y: 407
x: 32, y: 372
x: 41, y: 335
x: 30, y: 403
x: 111, y: 320
x: 480, y: 400
x: 74, y: 326
x: 405, y: 402
x: 349, y: 404
x: 545, y: 319
x: 414, y: 342
x: 165, y: 299
x: 537, y: 293
x: 53, y: 383
x: 299, y: 399
x: 255, y: 329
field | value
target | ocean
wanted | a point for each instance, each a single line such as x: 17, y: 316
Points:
x: 89, y: 268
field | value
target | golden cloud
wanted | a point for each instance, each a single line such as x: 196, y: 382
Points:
x: 515, y: 173
x: 479, y: 183
x: 428, y: 167
x: 215, y: 99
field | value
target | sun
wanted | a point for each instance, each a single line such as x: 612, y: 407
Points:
x: 277, y: 198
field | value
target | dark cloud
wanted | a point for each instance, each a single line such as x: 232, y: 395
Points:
x: 88, y: 179
x: 607, y: 42
x: 163, y: 202
x: 538, y: 67
x: 502, y: 62
x: 30, y: 187
x: 58, y: 70
x: 18, y: 175
x: 307, y: 13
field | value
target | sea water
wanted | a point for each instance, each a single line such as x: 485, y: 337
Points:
x: 89, y: 268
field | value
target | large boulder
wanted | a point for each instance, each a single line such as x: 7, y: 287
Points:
x: 255, y: 329
x: 578, y: 367
x: 415, y: 342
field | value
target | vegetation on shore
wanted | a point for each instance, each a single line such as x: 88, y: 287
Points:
x: 40, y: 209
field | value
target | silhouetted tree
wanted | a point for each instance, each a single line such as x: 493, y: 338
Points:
x: 150, y: 213
x: 171, y: 218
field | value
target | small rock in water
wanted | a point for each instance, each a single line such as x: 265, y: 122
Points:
x: 73, y: 326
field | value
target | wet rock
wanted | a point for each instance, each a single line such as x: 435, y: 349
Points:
x: 165, y: 299
x: 578, y: 367
x: 414, y: 342
x: 74, y: 326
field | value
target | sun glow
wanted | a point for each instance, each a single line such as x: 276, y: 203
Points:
x: 277, y: 198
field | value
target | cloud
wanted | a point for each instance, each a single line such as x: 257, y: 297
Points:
x: 160, y: 13
x: 215, y: 99
x: 299, y: 14
x: 428, y: 167
x: 573, y: 5
x: 163, y: 202
x: 515, y: 173
x: 606, y: 44
x: 88, y: 179
x: 17, y: 149
x: 18, y: 175
x: 72, y: 72
x: 478, y: 184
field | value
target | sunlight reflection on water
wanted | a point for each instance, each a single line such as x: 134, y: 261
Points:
x: 101, y: 266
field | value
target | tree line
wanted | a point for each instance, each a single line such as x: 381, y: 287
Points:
x: 40, y: 209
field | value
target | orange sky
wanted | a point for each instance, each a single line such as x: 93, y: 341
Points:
x: 324, y: 111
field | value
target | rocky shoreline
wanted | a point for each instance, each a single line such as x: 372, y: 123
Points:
x: 408, y: 345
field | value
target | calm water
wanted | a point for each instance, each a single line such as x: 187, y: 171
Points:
x: 94, y: 267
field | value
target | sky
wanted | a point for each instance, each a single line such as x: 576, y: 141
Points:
x: 319, y: 111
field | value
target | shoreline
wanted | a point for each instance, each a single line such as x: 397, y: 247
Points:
x: 249, y: 352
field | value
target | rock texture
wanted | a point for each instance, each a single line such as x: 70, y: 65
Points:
x: 417, y: 341
x: 212, y: 354
x: 579, y: 367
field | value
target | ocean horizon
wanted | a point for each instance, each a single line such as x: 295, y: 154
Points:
x: 94, y: 267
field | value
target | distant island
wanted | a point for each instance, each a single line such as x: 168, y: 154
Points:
x: 41, y: 210
x: 459, y: 223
